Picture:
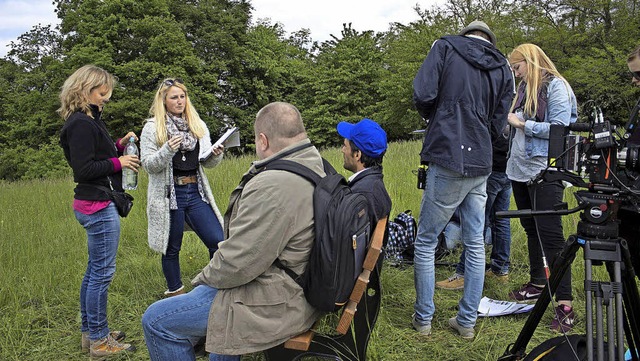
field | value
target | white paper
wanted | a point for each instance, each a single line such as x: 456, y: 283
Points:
x: 230, y: 138
x: 489, y: 307
x: 233, y: 140
x: 225, y: 136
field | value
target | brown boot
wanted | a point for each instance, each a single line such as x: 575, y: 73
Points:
x: 108, y: 346
x: 86, y: 343
x: 179, y: 291
x: 455, y: 282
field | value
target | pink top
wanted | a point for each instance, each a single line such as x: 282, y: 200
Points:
x: 90, y: 207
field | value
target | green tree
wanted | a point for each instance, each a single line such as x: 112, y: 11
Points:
x: 345, y: 87
x: 588, y: 41
x: 233, y: 67
x: 30, y: 81
x: 142, y: 42
x: 273, y: 67
x: 405, y: 48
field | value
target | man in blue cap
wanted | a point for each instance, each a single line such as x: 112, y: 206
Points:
x: 363, y: 149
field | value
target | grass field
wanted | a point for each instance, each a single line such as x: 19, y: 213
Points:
x: 43, y: 256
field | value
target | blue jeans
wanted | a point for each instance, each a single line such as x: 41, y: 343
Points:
x: 444, y: 192
x: 200, y: 217
x: 497, y: 230
x: 103, y: 235
x: 173, y: 325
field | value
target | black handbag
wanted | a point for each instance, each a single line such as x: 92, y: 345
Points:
x: 122, y: 200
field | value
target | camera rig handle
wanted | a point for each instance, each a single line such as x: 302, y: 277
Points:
x: 524, y: 213
x: 550, y: 175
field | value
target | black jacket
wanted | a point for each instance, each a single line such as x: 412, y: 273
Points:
x: 369, y: 183
x: 464, y: 88
x: 88, y: 148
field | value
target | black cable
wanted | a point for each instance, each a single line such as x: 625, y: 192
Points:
x: 547, y: 274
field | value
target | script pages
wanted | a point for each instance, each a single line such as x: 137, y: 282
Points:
x: 489, y: 307
x: 230, y: 138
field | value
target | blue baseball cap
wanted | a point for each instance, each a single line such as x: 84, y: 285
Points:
x: 367, y: 135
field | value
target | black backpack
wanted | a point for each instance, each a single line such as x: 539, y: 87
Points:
x: 342, y: 232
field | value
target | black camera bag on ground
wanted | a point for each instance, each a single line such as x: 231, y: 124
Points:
x: 342, y: 232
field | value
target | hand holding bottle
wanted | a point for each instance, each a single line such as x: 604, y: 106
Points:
x: 124, y: 140
x: 130, y: 163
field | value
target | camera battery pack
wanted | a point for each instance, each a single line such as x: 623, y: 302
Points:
x: 602, y: 135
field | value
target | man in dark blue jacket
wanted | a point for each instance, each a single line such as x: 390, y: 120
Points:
x: 363, y: 149
x: 464, y: 90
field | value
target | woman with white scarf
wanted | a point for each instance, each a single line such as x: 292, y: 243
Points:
x: 172, y: 143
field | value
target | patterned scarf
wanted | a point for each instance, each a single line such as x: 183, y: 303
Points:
x: 178, y: 126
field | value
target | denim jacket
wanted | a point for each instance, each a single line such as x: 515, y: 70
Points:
x: 562, y: 109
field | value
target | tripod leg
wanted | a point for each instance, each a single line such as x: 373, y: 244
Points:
x: 588, y: 276
x: 562, y: 263
x: 606, y: 294
x: 620, y: 313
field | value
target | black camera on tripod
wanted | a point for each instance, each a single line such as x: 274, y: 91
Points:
x: 611, y: 162
x: 610, y: 157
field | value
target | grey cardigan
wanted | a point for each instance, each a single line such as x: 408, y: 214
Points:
x: 156, y: 160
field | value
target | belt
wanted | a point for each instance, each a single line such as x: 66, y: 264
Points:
x: 180, y: 181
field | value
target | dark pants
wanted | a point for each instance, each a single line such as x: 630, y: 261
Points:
x: 201, y: 218
x: 549, y: 228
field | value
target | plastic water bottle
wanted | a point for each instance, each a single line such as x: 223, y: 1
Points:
x: 129, y: 177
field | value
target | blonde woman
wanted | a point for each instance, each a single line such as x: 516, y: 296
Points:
x: 96, y: 162
x: 543, y: 98
x: 172, y: 143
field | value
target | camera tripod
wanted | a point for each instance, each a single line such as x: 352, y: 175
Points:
x: 597, y: 234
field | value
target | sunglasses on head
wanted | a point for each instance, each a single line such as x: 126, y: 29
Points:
x: 635, y: 74
x: 170, y: 82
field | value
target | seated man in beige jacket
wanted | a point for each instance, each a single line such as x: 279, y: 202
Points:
x: 242, y: 302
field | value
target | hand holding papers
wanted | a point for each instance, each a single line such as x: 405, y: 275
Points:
x: 489, y: 308
x: 231, y: 138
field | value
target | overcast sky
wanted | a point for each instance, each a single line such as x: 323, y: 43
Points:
x: 321, y: 17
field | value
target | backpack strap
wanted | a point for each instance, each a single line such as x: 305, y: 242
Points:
x: 296, y: 277
x: 295, y: 168
x: 286, y: 153
x: 313, y: 178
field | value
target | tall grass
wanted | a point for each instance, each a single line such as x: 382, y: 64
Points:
x: 43, y: 255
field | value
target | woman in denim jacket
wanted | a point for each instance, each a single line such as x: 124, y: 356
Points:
x: 543, y: 98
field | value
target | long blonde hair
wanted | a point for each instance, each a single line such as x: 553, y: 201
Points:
x: 159, y: 111
x: 74, y: 94
x: 539, y: 66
